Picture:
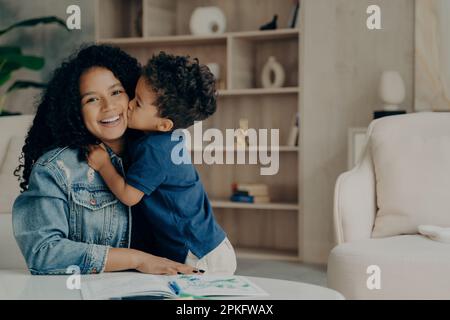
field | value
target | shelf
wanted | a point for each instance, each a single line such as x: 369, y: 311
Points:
x: 267, y: 34
x: 267, y: 254
x: 258, y: 91
x: 203, y: 40
x: 249, y: 52
x: 256, y: 206
x: 168, y: 40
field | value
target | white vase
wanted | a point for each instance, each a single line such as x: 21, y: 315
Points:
x: 391, y: 90
x: 207, y: 20
x: 272, y: 66
x: 215, y: 70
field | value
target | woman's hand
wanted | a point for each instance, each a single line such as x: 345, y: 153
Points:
x: 97, y: 157
x: 148, y: 263
x: 125, y: 259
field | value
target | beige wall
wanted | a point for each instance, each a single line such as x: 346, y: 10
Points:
x: 342, y: 62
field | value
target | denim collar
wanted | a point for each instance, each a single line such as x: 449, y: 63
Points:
x: 111, y: 153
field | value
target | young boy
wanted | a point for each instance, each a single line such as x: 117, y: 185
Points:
x: 172, y: 93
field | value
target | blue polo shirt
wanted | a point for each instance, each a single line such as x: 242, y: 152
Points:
x: 175, y: 206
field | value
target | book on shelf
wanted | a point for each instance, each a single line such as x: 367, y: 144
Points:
x: 144, y: 286
x: 250, y: 193
x: 249, y: 199
x: 241, y: 198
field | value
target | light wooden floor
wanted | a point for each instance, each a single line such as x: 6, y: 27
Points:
x: 292, y: 271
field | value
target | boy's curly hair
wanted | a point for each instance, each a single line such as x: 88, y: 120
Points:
x: 185, y: 89
x: 58, y: 121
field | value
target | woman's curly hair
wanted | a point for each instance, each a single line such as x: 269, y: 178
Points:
x: 58, y: 121
x: 185, y: 89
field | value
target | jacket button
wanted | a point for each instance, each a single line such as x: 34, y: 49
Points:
x: 93, y: 202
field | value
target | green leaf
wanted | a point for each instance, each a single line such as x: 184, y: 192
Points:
x: 4, y: 77
x: 8, y: 66
x: 10, y: 50
x: 33, y: 22
x: 30, y: 62
x: 26, y: 84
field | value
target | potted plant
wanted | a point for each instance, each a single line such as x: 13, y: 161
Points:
x: 12, y: 59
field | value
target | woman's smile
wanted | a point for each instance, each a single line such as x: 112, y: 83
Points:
x: 113, y: 121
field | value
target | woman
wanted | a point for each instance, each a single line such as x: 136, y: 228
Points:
x: 66, y: 216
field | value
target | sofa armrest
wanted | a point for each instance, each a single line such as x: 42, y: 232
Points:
x: 10, y: 255
x: 355, y: 201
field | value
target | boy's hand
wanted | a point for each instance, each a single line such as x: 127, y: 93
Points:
x: 97, y: 157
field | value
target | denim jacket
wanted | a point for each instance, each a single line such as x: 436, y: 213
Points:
x: 68, y: 216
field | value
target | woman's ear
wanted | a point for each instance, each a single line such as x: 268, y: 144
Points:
x: 165, y: 125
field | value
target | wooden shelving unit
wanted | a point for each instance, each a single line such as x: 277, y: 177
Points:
x: 145, y: 27
x: 256, y: 206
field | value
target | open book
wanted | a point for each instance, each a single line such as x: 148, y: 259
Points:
x: 123, y: 285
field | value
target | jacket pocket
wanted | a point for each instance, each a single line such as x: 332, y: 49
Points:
x: 93, y: 214
x: 93, y: 198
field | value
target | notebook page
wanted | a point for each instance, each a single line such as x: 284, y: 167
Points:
x: 121, y: 285
x: 205, y: 286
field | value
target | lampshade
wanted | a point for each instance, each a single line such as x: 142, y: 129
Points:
x: 391, y: 90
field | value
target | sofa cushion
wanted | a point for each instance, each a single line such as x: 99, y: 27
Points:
x: 412, y: 267
x: 11, y: 126
x: 411, y: 156
x: 13, y: 151
x: 4, y: 141
x: 9, y: 185
x: 9, y: 191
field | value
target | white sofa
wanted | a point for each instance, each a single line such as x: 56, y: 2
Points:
x: 12, y: 136
x: 411, y: 266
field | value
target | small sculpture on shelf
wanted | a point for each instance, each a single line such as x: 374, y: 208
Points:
x: 242, y: 134
x: 207, y: 21
x: 272, y: 25
x: 273, y: 75
x: 215, y: 70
